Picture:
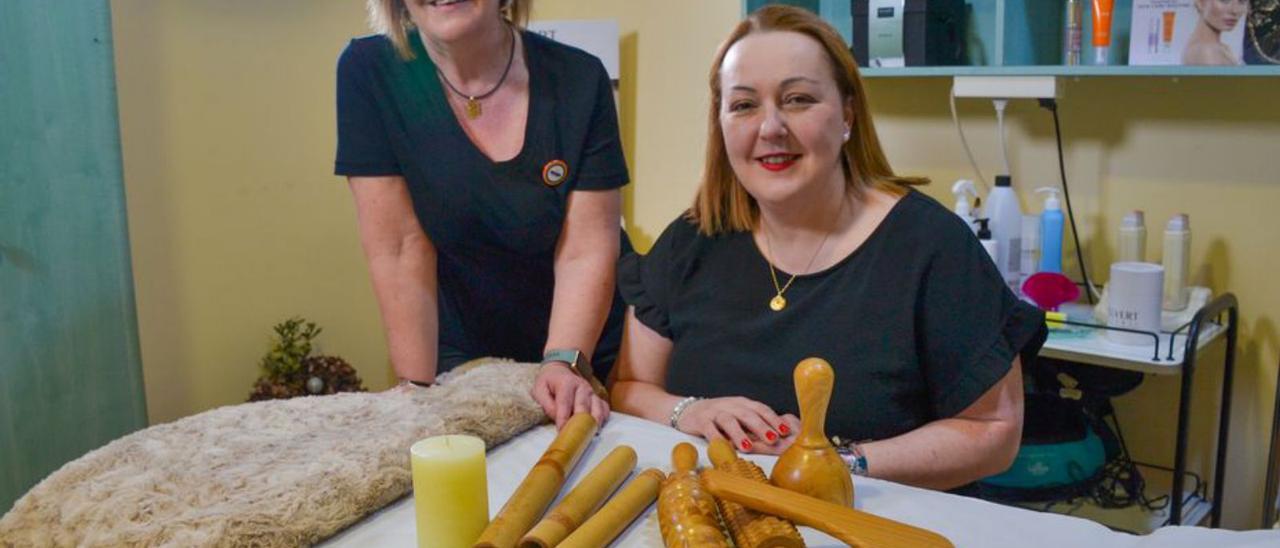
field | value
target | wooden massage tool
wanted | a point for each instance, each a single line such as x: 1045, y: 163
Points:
x: 749, y: 528
x: 583, y: 500
x: 612, y: 518
x: 853, y: 527
x: 541, y: 486
x: 686, y: 512
x: 811, y: 465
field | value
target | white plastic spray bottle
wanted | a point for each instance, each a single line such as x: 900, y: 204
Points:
x: 963, y: 189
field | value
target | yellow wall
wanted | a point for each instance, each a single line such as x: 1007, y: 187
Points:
x: 236, y: 222
x: 235, y: 218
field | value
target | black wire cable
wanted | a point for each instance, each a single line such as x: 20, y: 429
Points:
x: 1122, y: 472
x: 1052, y: 106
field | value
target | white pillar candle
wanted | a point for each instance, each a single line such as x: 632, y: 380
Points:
x: 450, y: 490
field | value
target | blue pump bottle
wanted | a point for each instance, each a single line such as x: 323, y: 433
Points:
x: 1050, y: 232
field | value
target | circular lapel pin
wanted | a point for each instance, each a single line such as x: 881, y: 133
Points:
x: 554, y: 173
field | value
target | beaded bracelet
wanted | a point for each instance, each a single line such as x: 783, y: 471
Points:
x: 678, y: 410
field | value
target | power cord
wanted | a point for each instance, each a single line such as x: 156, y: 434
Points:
x: 1052, y: 106
x: 955, y: 119
x: 1121, y: 484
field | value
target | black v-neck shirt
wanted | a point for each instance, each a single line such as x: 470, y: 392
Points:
x: 494, y: 224
x: 916, y: 322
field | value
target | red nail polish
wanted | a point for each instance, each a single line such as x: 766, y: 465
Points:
x: 786, y: 431
x: 770, y: 436
x: 746, y: 445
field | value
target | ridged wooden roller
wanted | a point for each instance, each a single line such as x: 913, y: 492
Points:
x: 687, y: 513
x: 749, y: 528
x: 811, y: 465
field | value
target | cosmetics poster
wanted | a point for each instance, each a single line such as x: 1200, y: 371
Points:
x: 1188, y: 32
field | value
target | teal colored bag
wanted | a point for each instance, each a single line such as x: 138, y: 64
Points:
x: 1053, y: 465
x: 1062, y: 454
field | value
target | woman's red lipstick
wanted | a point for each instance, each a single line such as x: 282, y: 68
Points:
x: 787, y: 161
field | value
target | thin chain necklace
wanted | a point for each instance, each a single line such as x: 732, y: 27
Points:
x: 778, y: 302
x: 473, y: 101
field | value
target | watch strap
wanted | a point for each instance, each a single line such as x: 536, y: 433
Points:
x: 580, y: 365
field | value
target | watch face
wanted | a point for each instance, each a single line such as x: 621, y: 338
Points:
x: 581, y: 363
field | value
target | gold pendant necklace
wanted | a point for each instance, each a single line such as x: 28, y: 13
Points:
x: 778, y: 302
x: 473, y: 108
x: 473, y: 101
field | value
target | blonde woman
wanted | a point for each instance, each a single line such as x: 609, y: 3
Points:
x: 485, y: 163
x: 802, y: 242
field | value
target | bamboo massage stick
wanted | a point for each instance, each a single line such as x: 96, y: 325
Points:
x: 811, y: 465
x: 853, y: 527
x: 584, y: 499
x: 541, y: 486
x: 749, y: 528
x: 686, y: 511
x: 612, y: 518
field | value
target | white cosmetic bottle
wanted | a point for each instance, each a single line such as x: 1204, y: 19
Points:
x: 1133, y: 238
x: 1006, y: 227
x: 1177, y: 261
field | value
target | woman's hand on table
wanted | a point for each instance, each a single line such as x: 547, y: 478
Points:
x: 751, y: 426
x: 562, y: 394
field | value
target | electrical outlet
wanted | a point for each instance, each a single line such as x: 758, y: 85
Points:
x: 1006, y: 87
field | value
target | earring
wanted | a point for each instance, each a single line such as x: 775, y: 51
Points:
x: 847, y: 131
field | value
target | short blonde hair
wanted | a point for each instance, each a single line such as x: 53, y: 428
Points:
x: 722, y: 205
x: 391, y: 19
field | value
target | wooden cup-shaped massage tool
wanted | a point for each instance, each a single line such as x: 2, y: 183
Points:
x: 749, y: 528
x: 811, y: 465
x: 687, y: 513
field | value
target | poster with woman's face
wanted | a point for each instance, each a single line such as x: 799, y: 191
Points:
x: 1188, y: 32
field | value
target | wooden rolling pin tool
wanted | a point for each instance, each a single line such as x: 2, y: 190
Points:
x: 853, y: 527
x: 811, y: 465
x: 541, y: 486
x: 612, y: 518
x: 686, y: 512
x: 749, y: 528
x: 584, y: 499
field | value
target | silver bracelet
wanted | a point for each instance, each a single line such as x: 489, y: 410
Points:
x: 852, y: 455
x: 678, y: 410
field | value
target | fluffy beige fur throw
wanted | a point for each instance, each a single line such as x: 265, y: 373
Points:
x: 274, y: 473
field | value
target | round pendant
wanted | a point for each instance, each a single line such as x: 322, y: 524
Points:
x: 778, y: 303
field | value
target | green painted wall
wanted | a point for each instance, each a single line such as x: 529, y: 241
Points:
x: 70, y: 375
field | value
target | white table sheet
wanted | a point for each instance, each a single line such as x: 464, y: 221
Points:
x: 963, y: 520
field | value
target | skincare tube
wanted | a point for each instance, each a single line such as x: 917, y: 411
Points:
x: 1101, y: 30
x: 1167, y: 34
x: 1071, y: 34
x: 1153, y: 36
